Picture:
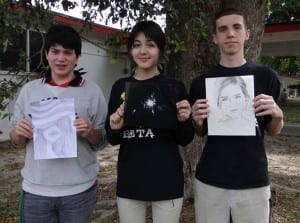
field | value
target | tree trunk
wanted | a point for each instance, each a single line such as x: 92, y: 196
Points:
x: 201, y: 53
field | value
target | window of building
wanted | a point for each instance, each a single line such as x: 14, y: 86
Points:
x: 12, y: 55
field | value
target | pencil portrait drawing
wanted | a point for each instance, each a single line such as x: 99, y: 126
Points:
x: 230, y: 99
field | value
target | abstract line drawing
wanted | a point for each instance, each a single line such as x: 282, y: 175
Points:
x: 150, y: 105
x: 230, y: 99
x: 54, y: 132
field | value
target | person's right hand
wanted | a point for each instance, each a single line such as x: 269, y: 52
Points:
x: 24, y: 128
x: 200, y: 110
x: 116, y: 119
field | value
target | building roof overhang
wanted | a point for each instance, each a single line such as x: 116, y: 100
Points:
x: 281, y: 39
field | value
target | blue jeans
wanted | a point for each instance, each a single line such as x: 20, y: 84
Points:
x: 76, y: 208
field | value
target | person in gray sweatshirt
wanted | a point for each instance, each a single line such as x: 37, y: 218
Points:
x: 70, y: 116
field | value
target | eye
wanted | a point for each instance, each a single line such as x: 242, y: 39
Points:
x: 222, y: 29
x: 53, y: 51
x: 237, y: 96
x: 69, y: 52
x: 136, y: 45
x: 151, y: 44
x: 237, y: 26
x: 224, y: 99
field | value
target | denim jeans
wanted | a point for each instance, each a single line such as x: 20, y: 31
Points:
x: 75, y: 208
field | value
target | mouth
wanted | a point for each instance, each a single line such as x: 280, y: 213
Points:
x: 143, y: 59
x: 230, y: 43
x: 60, y: 66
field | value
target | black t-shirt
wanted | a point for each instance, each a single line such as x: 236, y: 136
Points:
x: 150, y: 167
x: 237, y: 162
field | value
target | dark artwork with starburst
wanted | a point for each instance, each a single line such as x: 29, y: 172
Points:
x: 151, y: 105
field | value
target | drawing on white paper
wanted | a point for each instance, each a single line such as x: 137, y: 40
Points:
x: 54, y: 131
x: 230, y: 99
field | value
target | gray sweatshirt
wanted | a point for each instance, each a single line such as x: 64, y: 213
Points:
x: 67, y: 176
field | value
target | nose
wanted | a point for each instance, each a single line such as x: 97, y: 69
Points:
x: 230, y: 33
x: 60, y: 56
x: 235, y: 103
x: 143, y: 49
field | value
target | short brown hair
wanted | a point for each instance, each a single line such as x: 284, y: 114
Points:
x: 228, y: 11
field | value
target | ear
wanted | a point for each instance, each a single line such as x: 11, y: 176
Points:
x: 215, y: 39
x: 247, y: 34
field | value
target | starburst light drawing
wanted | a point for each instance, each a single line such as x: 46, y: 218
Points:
x: 150, y: 103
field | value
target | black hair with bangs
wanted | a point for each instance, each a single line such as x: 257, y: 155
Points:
x: 65, y: 36
x: 151, y: 30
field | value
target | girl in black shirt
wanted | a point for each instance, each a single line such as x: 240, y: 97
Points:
x: 149, y: 131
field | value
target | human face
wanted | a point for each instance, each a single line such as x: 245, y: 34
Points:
x: 62, y: 62
x: 231, y: 35
x: 145, y: 53
x: 232, y: 101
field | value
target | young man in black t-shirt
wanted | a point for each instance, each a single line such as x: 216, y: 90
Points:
x: 232, y: 175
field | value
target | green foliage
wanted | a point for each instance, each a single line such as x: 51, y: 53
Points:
x: 23, y: 14
x: 129, y: 11
x: 283, y: 65
x: 191, y: 18
x: 282, y: 11
x: 115, y: 45
x: 15, y: 17
x: 291, y: 112
x: 7, y: 90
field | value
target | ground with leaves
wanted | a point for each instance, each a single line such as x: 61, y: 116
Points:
x: 284, y: 164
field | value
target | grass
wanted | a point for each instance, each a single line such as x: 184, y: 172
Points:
x: 291, y: 110
x: 291, y: 114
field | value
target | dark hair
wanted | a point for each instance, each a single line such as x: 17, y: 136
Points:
x: 151, y: 30
x: 65, y: 36
x: 228, y: 11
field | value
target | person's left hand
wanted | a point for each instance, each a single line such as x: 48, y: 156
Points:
x: 265, y: 105
x: 83, y: 127
x: 183, y: 110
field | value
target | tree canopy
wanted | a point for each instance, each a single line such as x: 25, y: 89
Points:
x: 17, y: 15
x: 283, y: 11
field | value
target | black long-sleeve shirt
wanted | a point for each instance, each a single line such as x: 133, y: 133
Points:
x: 150, y: 167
